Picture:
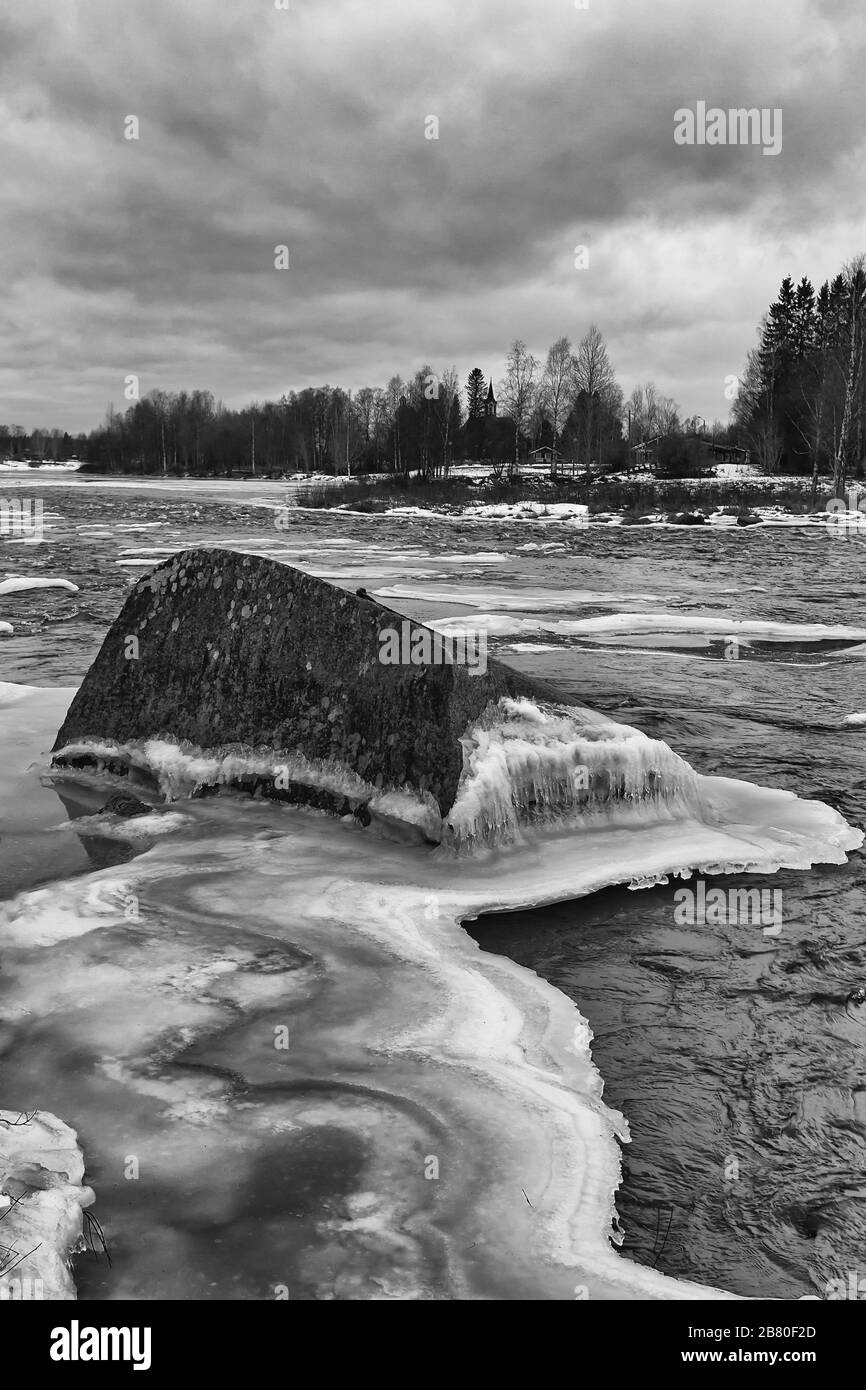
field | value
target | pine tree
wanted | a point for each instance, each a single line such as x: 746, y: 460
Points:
x: 803, y: 395
x: 777, y: 346
x: 838, y: 311
x: 476, y: 392
x: 822, y: 318
x: 804, y: 318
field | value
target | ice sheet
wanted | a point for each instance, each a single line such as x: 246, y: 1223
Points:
x: 407, y: 1046
x: 515, y: 599
x: 616, y: 626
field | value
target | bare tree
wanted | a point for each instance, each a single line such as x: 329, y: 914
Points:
x: 422, y: 395
x: 557, y: 392
x: 754, y: 410
x: 449, y: 387
x: 379, y: 419
x: 635, y: 409
x: 651, y: 410
x: 364, y: 403
x: 812, y: 429
x: 394, y: 393
x: 594, y: 375
x: 518, y: 389
x: 855, y: 280
x: 668, y: 415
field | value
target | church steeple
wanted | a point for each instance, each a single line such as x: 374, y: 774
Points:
x: 490, y: 403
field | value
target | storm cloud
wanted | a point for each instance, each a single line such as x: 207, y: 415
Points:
x: 305, y: 127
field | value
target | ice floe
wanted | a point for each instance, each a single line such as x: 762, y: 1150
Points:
x: 533, y: 599
x: 616, y: 626
x: 19, y: 584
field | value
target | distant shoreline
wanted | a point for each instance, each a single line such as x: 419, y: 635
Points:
x: 474, y: 495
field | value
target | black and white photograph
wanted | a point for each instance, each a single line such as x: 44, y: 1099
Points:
x: 433, y: 666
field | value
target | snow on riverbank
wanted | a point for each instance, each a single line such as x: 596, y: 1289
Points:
x: 23, y: 466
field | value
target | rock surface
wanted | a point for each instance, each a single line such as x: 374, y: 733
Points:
x: 216, y: 650
x: 121, y: 804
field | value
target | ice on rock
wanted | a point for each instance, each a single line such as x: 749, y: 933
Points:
x: 527, y: 764
x: 618, y: 807
x: 181, y: 770
x: 42, y: 1197
x: 533, y: 769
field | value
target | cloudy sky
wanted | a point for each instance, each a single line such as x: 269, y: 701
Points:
x: 305, y: 127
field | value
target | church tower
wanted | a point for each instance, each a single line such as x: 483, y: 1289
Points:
x: 490, y: 403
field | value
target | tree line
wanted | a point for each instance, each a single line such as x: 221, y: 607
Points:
x: 800, y: 402
x: 569, y: 404
x: 57, y: 446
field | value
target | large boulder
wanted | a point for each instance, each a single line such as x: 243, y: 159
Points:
x: 233, y: 655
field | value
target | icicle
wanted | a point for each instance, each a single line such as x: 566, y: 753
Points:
x: 528, y: 765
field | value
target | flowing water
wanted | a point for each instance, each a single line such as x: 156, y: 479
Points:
x: 736, y: 1052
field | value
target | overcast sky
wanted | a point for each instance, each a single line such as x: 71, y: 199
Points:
x: 306, y: 127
